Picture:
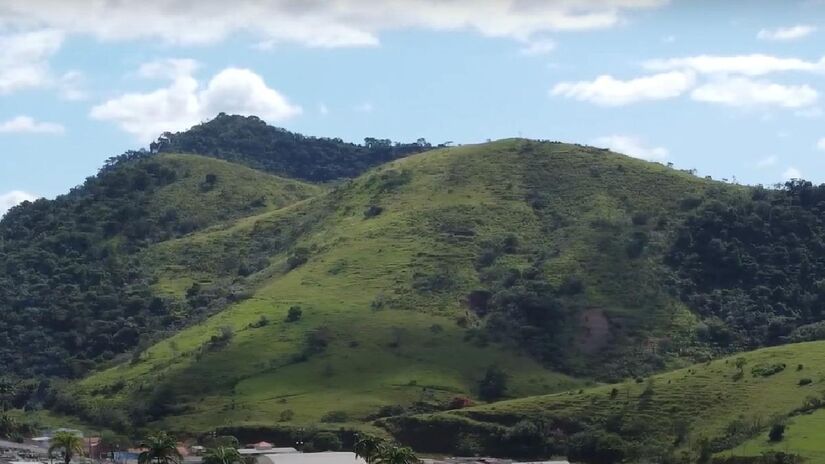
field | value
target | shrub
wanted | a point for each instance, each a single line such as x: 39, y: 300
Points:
x: 326, y: 441
x: 777, y: 432
x: 297, y: 258
x: 287, y: 415
x: 294, y: 314
x: 372, y: 211
x: 805, y: 381
x: 762, y: 370
x: 493, y: 385
x: 335, y: 417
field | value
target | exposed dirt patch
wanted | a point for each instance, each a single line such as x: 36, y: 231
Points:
x: 594, y: 330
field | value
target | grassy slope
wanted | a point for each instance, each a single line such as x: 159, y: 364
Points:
x: 358, y: 283
x: 803, y: 436
x: 707, y: 398
x: 231, y: 197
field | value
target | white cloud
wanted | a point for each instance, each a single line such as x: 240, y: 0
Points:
x: 749, y: 65
x: 313, y: 23
x: 609, y: 91
x: 323, y: 109
x: 743, y: 92
x: 24, y: 59
x: 767, y: 161
x: 185, y: 102
x: 170, y: 68
x: 821, y: 144
x: 791, y: 173
x: 786, y: 33
x: 631, y: 146
x: 13, y: 198
x: 538, y: 47
x: 26, y: 124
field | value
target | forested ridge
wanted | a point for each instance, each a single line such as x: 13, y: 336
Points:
x: 250, y: 141
x: 73, y: 292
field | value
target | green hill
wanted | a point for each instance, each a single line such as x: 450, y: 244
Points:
x: 399, y: 276
x: 726, y: 406
x: 72, y: 289
x: 199, y: 291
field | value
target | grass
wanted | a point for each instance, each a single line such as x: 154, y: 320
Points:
x: 389, y: 342
x: 712, y: 400
x: 803, y: 436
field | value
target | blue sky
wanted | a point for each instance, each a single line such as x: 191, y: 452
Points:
x: 733, y: 90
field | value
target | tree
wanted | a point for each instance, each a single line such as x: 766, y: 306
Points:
x: 397, y: 455
x: 161, y: 448
x: 68, y: 443
x: 222, y: 455
x: 294, y: 314
x: 368, y: 447
x: 493, y: 385
x: 777, y: 432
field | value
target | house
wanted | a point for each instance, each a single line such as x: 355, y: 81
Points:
x: 327, y: 457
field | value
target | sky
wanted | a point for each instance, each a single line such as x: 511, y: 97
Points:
x: 735, y: 89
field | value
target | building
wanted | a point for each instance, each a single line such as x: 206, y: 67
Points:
x: 327, y: 457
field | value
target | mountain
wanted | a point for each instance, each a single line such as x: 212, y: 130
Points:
x: 238, y: 287
x: 412, y: 280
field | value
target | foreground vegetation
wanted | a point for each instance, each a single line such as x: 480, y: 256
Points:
x: 726, y: 406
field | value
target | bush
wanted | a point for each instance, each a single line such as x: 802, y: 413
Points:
x: 493, y: 385
x: 287, y: 415
x: 326, y: 441
x: 762, y: 370
x: 805, y: 381
x: 372, y: 211
x: 297, y: 258
x: 335, y: 417
x: 294, y: 314
x: 777, y: 432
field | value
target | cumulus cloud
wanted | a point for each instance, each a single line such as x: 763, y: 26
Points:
x: 24, y: 59
x: 13, y: 198
x: 821, y: 144
x: 791, y: 173
x: 27, y: 124
x: 314, y: 23
x: 631, y: 146
x: 185, y: 102
x: 750, y: 65
x: 786, y: 33
x: 609, y: 91
x: 743, y: 92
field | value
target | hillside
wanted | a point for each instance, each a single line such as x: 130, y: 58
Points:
x: 725, y: 406
x: 412, y: 280
x: 72, y: 289
x: 192, y: 292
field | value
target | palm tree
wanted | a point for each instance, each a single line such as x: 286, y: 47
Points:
x: 368, y: 447
x: 397, y: 455
x: 222, y: 455
x: 161, y: 448
x: 68, y: 443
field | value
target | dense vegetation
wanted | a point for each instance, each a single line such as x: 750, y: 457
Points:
x: 754, y: 267
x: 250, y: 141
